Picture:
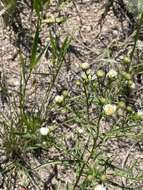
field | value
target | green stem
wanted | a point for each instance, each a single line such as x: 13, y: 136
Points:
x: 87, y: 102
x: 91, y: 153
x: 137, y: 36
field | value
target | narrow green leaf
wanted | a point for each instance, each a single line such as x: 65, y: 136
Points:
x: 34, y: 47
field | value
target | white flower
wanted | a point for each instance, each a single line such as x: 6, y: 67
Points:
x: 85, y: 66
x: 80, y: 130
x: 100, y: 187
x: 133, y: 86
x: 140, y: 114
x: 112, y: 73
x: 59, y: 99
x: 109, y: 109
x: 44, y: 143
x: 44, y: 131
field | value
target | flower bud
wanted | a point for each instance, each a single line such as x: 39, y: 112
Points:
x: 103, y: 178
x: 131, y: 84
x: 78, y: 83
x: 90, y: 177
x: 86, y: 77
x: 112, y: 74
x: 140, y: 114
x: 85, y: 66
x: 102, y: 100
x: 121, y: 104
x: 59, y: 99
x: 127, y: 76
x: 100, y: 73
x: 65, y: 93
x: 129, y: 109
x: 126, y: 60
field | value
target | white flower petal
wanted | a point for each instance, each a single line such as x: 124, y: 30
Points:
x: 110, y: 109
x: 100, y: 187
x: 112, y: 73
x: 140, y: 113
x: 44, y: 131
x: 59, y: 99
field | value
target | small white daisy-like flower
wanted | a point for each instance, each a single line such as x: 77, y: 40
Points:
x: 112, y: 74
x: 44, y: 131
x: 100, y: 187
x: 85, y: 66
x: 140, y: 114
x: 59, y: 99
x: 110, y: 109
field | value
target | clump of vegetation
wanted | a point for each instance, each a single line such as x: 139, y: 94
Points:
x: 75, y: 126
